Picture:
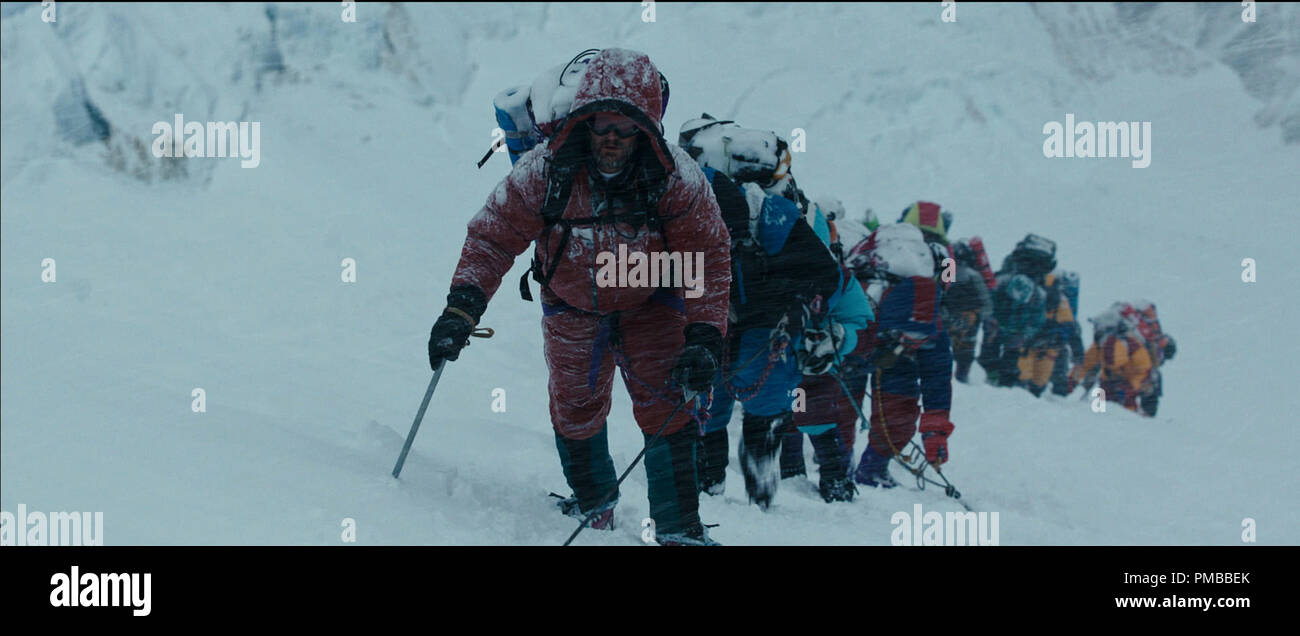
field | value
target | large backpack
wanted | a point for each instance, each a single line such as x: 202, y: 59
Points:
x: 529, y: 113
x: 887, y: 256
x: 892, y: 252
x: 1115, y: 320
x: 747, y: 155
x: 1034, y: 256
x: 1141, y: 315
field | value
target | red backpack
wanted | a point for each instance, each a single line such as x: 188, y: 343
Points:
x: 982, y: 262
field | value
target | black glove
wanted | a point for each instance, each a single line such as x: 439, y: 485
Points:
x: 1170, y: 348
x: 450, y: 334
x: 698, y: 364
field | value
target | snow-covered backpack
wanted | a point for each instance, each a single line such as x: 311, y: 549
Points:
x: 849, y: 231
x: 747, y: 155
x: 1034, y: 256
x: 1113, y: 321
x: 891, y: 252
x: 887, y: 256
x: 530, y: 113
x: 1142, y: 314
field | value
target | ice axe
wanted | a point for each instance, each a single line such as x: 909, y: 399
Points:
x: 415, y: 426
x: 478, y: 332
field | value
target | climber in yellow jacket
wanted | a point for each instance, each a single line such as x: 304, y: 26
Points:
x: 1121, y: 359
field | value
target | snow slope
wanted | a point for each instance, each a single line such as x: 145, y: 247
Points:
x: 176, y: 274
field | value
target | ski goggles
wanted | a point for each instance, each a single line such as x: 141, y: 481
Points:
x: 605, y: 123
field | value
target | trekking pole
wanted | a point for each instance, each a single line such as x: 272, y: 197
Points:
x: 683, y: 402
x: 415, y: 426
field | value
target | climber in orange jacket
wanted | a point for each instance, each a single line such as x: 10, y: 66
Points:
x: 1118, y: 357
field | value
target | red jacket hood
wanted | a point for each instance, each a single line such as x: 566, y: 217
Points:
x: 625, y: 82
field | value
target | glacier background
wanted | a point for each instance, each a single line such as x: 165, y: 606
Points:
x: 183, y: 273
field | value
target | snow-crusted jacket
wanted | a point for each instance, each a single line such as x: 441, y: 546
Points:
x: 663, y: 187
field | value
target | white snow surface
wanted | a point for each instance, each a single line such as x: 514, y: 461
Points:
x: 177, y: 274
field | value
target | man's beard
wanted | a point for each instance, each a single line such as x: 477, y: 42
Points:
x: 612, y: 164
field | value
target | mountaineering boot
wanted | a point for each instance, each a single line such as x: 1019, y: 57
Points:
x: 590, y: 472
x: 711, y: 462
x: 694, y: 535
x: 837, y: 489
x: 670, y: 479
x: 873, y: 470
x: 604, y: 520
x: 833, y: 462
x: 792, y: 464
x: 962, y: 372
x: 759, y: 444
